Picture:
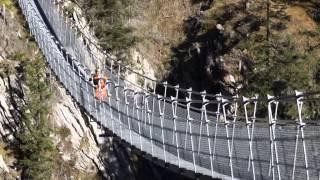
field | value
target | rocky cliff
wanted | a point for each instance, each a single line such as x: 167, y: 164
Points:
x: 82, y: 153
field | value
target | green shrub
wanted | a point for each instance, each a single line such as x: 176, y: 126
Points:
x: 63, y: 132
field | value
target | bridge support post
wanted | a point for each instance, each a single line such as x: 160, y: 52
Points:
x: 219, y: 99
x: 88, y: 97
x: 272, y: 116
x: 204, y: 116
x: 117, y: 86
x: 189, y: 123
x: 64, y: 71
x: 144, y: 109
x: 103, y: 118
x: 250, y: 122
x: 138, y: 109
x: 149, y: 112
x: 300, y: 130
x: 126, y: 89
x: 225, y: 103
x: 77, y: 95
x: 152, y: 117
x: 111, y: 69
x: 162, y: 111
x: 174, y: 103
x: 234, y: 119
x: 201, y: 124
x: 110, y: 83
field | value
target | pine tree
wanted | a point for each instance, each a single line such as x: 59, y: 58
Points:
x: 36, y: 149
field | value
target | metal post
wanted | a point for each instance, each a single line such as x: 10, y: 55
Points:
x: 225, y: 103
x: 219, y: 100
x: 162, y: 111
x: 300, y: 128
x: 201, y: 121
x: 74, y: 79
x: 205, y: 102
x: 189, y: 119
x: 64, y: 71
x: 119, y: 72
x: 149, y: 112
x: 152, y: 116
x: 88, y: 98
x: 111, y: 70
x: 189, y: 91
x: 250, y: 129
x: 142, y: 111
x: 59, y: 68
x: 138, y: 108
x: 103, y: 117
x: 117, y: 86
x: 145, y: 110
x: 174, y: 103
x: 272, y: 114
x: 126, y: 89
x: 110, y: 104
x: 234, y: 116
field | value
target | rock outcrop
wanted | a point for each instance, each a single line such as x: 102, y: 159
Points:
x: 78, y: 142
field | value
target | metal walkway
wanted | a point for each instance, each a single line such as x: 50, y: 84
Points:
x: 210, y: 142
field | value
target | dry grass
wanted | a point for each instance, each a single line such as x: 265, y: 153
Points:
x: 160, y: 27
x: 8, y: 4
x: 299, y: 20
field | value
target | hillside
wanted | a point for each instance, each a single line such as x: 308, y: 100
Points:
x: 220, y: 45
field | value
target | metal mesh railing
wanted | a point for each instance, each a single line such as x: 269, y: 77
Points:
x: 210, y: 140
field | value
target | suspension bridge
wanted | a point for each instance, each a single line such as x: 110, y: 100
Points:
x: 217, y: 136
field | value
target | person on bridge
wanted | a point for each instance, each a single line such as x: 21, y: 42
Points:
x: 101, y: 91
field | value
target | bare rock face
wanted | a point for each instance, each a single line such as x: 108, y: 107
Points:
x: 73, y: 134
x: 3, y: 166
x: 77, y: 141
x: 8, y: 121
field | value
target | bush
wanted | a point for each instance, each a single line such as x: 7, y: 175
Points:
x: 63, y: 132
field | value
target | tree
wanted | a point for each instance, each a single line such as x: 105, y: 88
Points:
x: 35, y: 150
x: 109, y: 21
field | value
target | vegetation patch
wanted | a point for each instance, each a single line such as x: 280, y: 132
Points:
x: 108, y: 20
x: 63, y: 132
